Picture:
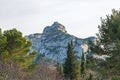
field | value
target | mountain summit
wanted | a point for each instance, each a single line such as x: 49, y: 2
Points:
x: 53, y: 42
x: 54, y: 27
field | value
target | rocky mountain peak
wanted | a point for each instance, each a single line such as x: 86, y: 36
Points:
x: 53, y: 42
x: 56, y: 26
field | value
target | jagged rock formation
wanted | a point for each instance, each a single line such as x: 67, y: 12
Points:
x: 53, y: 42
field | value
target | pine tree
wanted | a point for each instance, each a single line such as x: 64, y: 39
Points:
x: 109, y: 38
x: 15, y: 41
x: 14, y: 48
x: 14, y: 58
x: 71, y: 65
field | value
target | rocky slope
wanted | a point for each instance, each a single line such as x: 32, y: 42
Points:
x: 54, y: 40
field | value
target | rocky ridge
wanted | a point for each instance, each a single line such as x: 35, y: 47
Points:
x: 54, y: 40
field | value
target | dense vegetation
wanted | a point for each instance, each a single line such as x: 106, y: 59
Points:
x: 17, y: 61
x: 14, y: 56
x: 108, y: 42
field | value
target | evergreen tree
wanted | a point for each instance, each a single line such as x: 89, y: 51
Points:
x: 109, y: 38
x: 15, y: 41
x: 15, y: 48
x: 83, y: 65
x: 71, y: 65
x: 14, y: 57
x: 3, y: 43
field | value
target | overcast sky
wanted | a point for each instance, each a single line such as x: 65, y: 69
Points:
x: 80, y: 17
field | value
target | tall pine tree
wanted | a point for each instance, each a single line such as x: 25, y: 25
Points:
x: 71, y: 65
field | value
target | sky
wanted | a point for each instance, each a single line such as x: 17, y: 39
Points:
x: 80, y: 17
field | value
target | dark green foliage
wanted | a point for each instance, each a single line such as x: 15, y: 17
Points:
x: 71, y: 66
x: 14, y: 48
x: 109, y: 38
x: 14, y: 57
x: 109, y: 32
x: 3, y: 42
x: 83, y: 65
x: 96, y: 48
x: 15, y: 41
x: 116, y: 79
x: 60, y: 68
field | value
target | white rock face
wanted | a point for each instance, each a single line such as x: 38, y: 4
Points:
x: 55, y: 27
x: 53, y: 42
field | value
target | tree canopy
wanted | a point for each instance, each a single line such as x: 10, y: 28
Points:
x: 15, y: 48
x: 108, y: 42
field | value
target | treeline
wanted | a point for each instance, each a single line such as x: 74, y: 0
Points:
x: 108, y: 43
x: 106, y: 65
x: 17, y: 63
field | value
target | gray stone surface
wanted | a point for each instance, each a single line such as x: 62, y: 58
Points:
x: 54, y: 40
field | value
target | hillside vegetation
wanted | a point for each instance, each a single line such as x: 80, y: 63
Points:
x: 17, y: 62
